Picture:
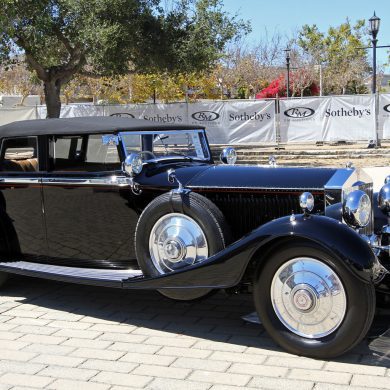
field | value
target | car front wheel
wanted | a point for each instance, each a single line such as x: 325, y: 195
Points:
x: 311, y: 303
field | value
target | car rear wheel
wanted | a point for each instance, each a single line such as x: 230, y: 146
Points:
x: 173, y: 234
x: 311, y: 303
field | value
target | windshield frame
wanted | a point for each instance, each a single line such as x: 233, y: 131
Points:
x: 203, y: 139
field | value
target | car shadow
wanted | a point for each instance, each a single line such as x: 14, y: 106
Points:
x: 216, y: 318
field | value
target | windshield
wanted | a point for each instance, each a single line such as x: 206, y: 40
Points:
x: 170, y: 144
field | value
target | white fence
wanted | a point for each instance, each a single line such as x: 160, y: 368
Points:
x: 303, y: 120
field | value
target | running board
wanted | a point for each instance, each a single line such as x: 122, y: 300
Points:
x: 91, y: 276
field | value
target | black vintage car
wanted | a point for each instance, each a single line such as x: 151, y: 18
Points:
x: 128, y: 203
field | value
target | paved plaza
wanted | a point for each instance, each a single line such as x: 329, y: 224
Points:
x: 63, y: 336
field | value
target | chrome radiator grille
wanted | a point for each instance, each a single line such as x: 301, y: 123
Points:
x: 368, y: 189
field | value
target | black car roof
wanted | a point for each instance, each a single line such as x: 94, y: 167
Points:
x: 85, y: 125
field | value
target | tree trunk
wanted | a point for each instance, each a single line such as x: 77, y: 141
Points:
x: 52, y: 96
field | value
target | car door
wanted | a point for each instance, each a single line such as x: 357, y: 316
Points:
x: 88, y: 210
x: 21, y: 208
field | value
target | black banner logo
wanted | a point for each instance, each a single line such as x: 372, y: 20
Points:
x: 205, y: 116
x: 123, y: 115
x: 299, y: 112
x: 387, y: 107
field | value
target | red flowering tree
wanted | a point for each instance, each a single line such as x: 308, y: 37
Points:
x: 275, y: 88
x: 301, y: 84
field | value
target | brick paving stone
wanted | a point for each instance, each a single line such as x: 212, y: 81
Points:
x: 137, y: 348
x: 371, y: 381
x: 201, y: 364
x: 35, y: 329
x: 48, y: 349
x: 123, y: 337
x: 295, y: 362
x: 37, y: 338
x: 184, y: 352
x: 65, y: 384
x: 280, y: 383
x: 91, y: 353
x: 328, y: 386
x: 238, y: 357
x: 69, y: 325
x: 20, y: 367
x: 113, y: 328
x: 219, y: 378
x: 22, y: 379
x: 114, y: 378
x: 170, y: 341
x: 162, y: 372
x: 172, y: 384
x: 28, y: 321
x: 108, y: 365
x: 320, y: 376
x: 58, y: 360
x: 219, y: 346
x: 355, y: 368
x: 81, y: 334
x: 86, y: 343
x: 22, y: 356
x: 254, y: 369
x: 144, y: 358
x: 68, y: 372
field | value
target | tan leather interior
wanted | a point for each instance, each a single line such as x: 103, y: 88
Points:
x: 25, y: 165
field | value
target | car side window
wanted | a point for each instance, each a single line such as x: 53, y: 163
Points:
x: 19, y: 154
x: 84, y: 153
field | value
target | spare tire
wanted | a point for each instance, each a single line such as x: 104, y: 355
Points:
x: 176, y: 231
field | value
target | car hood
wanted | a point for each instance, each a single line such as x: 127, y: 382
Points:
x: 264, y: 177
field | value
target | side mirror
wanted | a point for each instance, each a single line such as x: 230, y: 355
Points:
x: 133, y: 164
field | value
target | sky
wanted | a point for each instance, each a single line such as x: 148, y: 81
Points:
x: 286, y: 16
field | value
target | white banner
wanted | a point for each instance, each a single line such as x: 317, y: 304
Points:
x: 384, y: 116
x: 302, y: 120
x: 8, y: 115
x: 250, y: 122
x: 350, y: 118
x: 335, y: 118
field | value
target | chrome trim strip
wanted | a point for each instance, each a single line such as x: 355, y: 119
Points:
x: 19, y: 180
x: 259, y: 188
x: 121, y: 181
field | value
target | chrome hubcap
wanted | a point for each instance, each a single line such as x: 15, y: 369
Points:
x: 176, y: 241
x: 308, y: 297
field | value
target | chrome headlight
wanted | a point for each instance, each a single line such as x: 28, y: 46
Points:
x: 306, y: 201
x: 384, y: 198
x: 357, y: 209
x: 228, y: 156
x: 133, y: 164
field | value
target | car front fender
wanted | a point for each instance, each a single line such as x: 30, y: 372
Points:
x: 227, y: 267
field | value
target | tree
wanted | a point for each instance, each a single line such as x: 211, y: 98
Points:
x: 345, y: 64
x: 15, y: 79
x: 63, y: 38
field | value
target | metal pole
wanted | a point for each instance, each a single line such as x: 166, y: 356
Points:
x: 320, y: 79
x: 374, y: 42
x: 288, y: 77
